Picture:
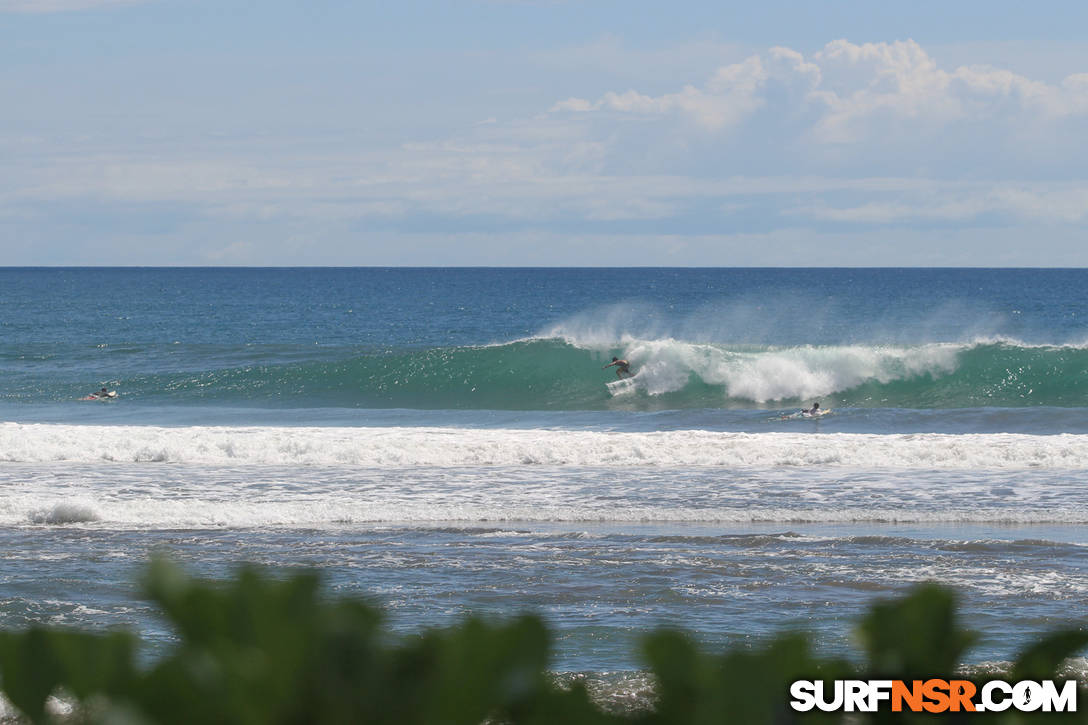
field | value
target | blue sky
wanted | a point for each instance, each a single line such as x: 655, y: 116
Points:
x: 168, y: 132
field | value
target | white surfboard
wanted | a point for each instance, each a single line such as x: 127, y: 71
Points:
x: 112, y: 395
x: 800, y: 415
x: 622, y: 386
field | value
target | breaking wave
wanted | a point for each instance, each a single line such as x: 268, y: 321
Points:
x: 554, y: 373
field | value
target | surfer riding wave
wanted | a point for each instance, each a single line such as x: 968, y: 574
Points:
x: 623, y: 368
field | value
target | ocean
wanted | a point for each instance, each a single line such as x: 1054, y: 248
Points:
x: 447, y: 441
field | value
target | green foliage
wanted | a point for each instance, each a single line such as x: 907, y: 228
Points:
x: 265, y: 650
x: 740, y: 686
x: 915, y: 636
x: 1043, y: 658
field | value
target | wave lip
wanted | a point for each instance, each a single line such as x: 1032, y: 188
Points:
x: 401, y: 446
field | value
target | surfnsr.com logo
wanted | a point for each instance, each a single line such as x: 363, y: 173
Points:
x: 933, y: 695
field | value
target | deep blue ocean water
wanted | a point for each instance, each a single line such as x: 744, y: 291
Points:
x: 447, y: 441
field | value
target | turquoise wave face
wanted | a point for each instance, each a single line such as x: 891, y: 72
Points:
x: 554, y: 374
x: 529, y: 375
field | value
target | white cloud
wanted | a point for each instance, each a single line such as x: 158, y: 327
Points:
x: 731, y: 94
x: 794, y: 65
x: 577, y: 105
x: 877, y: 87
x: 856, y: 93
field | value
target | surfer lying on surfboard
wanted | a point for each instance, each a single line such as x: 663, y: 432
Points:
x: 814, y: 412
x: 102, y: 394
x: 623, y: 368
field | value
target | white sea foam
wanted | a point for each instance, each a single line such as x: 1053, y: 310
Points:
x: 410, y: 446
x: 68, y: 512
x: 348, y: 509
x: 246, y: 495
x: 766, y: 374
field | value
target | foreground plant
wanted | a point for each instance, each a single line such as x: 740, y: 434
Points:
x: 266, y: 650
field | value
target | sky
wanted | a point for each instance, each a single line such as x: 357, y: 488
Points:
x: 543, y: 133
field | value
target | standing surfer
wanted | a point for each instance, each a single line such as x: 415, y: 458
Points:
x: 623, y: 368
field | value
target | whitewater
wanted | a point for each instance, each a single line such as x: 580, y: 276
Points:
x: 446, y: 447
x: 333, y: 498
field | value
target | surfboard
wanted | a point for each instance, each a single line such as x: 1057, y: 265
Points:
x: 622, y: 386
x: 799, y: 415
x: 112, y: 395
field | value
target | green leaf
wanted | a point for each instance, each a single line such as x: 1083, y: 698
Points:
x: 916, y: 636
x: 1041, y: 660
